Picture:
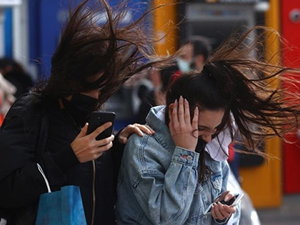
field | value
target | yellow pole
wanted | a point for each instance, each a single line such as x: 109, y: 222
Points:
x: 274, y: 146
x: 165, y: 26
x: 264, y: 183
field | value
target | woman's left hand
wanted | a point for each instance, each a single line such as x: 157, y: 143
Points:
x: 134, y: 128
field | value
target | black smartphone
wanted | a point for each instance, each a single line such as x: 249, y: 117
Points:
x: 98, y: 118
x: 234, y: 201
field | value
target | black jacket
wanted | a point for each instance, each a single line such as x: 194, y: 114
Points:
x: 21, y: 184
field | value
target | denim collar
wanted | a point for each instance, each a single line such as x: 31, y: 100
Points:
x: 155, y: 119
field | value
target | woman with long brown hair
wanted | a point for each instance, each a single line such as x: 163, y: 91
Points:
x: 172, y: 177
x: 90, y: 64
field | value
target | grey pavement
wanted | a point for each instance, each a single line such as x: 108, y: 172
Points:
x: 287, y: 214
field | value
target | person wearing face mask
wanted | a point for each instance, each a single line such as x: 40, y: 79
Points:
x: 175, y: 175
x: 201, y: 51
x: 90, y: 64
x: 185, y: 59
x: 194, y: 51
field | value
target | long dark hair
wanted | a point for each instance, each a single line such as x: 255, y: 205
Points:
x: 238, y: 79
x: 87, y: 49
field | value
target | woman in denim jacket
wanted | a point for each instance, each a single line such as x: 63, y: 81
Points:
x: 171, y: 178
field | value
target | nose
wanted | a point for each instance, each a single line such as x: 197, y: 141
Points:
x: 206, y: 138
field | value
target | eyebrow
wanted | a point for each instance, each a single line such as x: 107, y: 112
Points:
x: 207, y: 128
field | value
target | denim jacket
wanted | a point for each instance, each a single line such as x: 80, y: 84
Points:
x: 158, y: 181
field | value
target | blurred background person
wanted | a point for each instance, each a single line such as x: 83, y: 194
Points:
x: 201, y: 50
x: 7, y: 91
x: 194, y: 53
x: 15, y: 74
x: 153, y: 96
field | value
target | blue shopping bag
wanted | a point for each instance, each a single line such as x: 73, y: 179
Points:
x: 62, y: 207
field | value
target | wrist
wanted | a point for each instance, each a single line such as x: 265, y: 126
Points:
x: 189, y: 146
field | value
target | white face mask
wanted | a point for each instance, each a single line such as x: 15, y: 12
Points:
x: 184, y: 66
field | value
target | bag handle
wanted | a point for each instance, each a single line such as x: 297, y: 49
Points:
x: 44, y: 176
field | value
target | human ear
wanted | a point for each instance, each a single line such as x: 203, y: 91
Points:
x: 171, y: 107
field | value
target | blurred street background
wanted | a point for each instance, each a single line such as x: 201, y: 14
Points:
x: 287, y: 214
x: 30, y: 32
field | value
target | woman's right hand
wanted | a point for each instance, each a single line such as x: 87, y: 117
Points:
x: 221, y: 211
x: 183, y: 131
x: 87, y: 148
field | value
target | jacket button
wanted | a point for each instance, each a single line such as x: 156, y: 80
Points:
x: 189, y: 157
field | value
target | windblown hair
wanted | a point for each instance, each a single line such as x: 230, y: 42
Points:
x: 87, y: 49
x: 238, y: 79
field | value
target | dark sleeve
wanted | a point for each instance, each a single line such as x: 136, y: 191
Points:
x: 20, y: 181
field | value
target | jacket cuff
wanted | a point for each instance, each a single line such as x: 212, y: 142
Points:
x: 224, y: 221
x: 186, y: 157
x: 65, y: 159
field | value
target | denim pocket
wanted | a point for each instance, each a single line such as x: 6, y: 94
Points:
x: 199, y: 189
x: 216, y: 180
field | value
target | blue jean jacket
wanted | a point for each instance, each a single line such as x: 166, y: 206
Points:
x: 158, y: 181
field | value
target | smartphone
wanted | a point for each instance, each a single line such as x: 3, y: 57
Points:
x: 234, y: 201
x: 99, y: 118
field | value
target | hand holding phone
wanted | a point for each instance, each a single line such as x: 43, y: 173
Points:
x: 97, y: 119
x: 234, y: 201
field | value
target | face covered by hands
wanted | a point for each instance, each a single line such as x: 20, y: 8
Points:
x: 196, y: 133
x: 183, y: 131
